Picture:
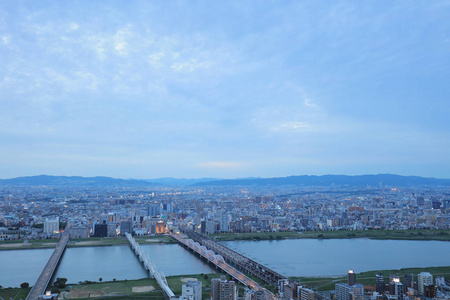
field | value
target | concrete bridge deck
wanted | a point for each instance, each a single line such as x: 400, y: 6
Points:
x: 46, y: 275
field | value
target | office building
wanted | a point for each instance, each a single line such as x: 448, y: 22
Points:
x: 126, y: 227
x: 399, y: 291
x: 408, y: 280
x: 305, y: 294
x: 154, y: 209
x: 351, y: 277
x: 192, y: 290
x: 51, y: 226
x: 79, y: 232
x: 101, y: 230
x: 424, y: 279
x: 379, y: 283
x: 357, y: 292
x: 343, y: 291
x: 430, y: 291
x: 223, y: 289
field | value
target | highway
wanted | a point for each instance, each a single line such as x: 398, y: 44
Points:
x: 46, y: 275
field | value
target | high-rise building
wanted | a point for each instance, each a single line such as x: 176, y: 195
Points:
x: 126, y: 227
x: 408, y: 280
x: 101, y: 230
x: 224, y: 222
x: 343, y: 291
x: 379, y: 283
x: 424, y: 278
x: 192, y: 290
x: 305, y: 294
x: 357, y: 292
x: 399, y: 291
x: 51, y: 226
x: 223, y: 289
x: 351, y: 277
x: 154, y: 209
x: 430, y: 291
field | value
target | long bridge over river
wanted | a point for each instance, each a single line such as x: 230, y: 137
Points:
x: 219, y: 262
x: 150, y: 266
x: 49, y: 269
x: 238, y: 260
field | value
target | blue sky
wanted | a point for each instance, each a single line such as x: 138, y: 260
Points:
x: 145, y: 89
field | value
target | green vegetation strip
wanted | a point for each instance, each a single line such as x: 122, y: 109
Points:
x: 89, y: 242
x: 411, y: 234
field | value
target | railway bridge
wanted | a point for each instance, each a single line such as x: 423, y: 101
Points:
x: 237, y: 260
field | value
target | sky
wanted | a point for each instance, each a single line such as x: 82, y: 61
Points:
x: 228, y: 89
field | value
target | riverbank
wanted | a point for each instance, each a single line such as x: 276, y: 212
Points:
x: 89, y: 242
x: 368, y: 278
x: 130, y: 289
x: 411, y: 234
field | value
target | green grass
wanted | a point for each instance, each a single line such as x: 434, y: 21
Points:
x: 411, y: 234
x: 93, y: 242
x: 14, y: 293
x: 123, y: 289
x: 367, y: 278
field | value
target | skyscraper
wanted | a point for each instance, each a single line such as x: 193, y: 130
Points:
x: 379, y: 283
x: 351, y: 277
x: 424, y: 278
x: 408, y: 280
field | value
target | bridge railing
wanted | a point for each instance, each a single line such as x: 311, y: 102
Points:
x: 150, y: 266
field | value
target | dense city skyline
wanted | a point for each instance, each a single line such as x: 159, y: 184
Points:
x: 228, y: 89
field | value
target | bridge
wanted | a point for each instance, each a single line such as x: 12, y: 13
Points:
x: 238, y: 260
x: 219, y: 262
x: 47, y: 274
x: 150, y: 266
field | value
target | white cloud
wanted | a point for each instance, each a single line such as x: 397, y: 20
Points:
x: 292, y: 126
x: 74, y: 26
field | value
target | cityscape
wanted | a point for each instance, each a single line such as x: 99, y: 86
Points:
x: 225, y: 150
x: 198, y: 217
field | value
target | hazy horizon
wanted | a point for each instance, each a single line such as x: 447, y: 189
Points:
x: 218, y: 178
x: 227, y: 89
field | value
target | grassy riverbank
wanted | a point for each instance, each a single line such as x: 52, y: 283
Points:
x: 90, y: 242
x: 129, y: 289
x: 368, y: 278
x: 412, y: 234
x: 149, y: 288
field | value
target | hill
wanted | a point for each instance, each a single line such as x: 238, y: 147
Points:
x: 47, y: 180
x: 339, y: 180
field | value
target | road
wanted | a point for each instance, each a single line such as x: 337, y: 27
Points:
x: 47, y: 273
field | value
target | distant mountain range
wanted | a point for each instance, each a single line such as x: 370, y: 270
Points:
x: 170, y: 181
x: 338, y: 180
x: 47, y: 180
x: 304, y: 180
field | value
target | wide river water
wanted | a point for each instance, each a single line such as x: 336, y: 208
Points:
x: 304, y: 257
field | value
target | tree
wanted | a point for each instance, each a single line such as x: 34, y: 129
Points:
x: 24, y: 285
x: 60, y: 282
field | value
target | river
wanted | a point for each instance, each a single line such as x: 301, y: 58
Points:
x: 303, y: 257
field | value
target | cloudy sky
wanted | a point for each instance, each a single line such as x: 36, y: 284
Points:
x: 146, y: 89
